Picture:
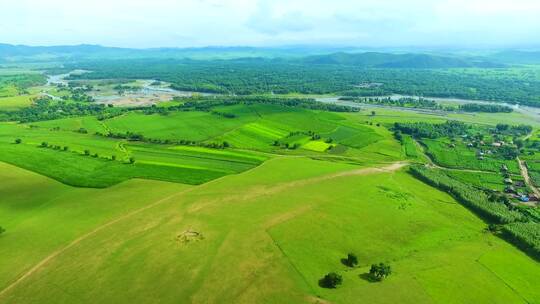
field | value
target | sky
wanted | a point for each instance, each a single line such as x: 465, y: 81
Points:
x: 196, y: 23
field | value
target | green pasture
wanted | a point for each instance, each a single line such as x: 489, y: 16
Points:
x: 266, y: 236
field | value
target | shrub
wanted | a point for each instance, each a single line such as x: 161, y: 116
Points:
x: 2, y: 230
x: 86, y: 152
x: 351, y: 260
x: 18, y: 141
x: 331, y: 280
x: 44, y: 144
x: 380, y: 271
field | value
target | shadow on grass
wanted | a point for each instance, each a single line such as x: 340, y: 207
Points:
x: 368, y: 277
x: 345, y: 262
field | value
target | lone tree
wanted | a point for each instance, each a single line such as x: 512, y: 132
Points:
x: 373, y: 113
x: 380, y: 271
x: 44, y: 144
x: 331, y: 280
x: 18, y: 141
x: 351, y: 260
x: 132, y: 160
x: 2, y: 230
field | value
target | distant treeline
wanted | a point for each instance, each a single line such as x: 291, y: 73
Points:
x: 486, y: 108
x: 22, y: 81
x: 262, y: 76
x: 46, y: 109
x: 430, y: 130
x: 517, y: 227
x: 424, y: 103
x: 182, y: 142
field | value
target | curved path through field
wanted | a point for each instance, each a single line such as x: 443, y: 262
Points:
x: 278, y: 188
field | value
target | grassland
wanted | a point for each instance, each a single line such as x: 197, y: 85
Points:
x: 259, y: 221
x: 268, y: 235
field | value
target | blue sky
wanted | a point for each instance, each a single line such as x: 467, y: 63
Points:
x: 185, y: 23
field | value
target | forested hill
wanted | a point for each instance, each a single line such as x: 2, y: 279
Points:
x: 411, y: 61
x: 517, y: 57
x: 358, y: 57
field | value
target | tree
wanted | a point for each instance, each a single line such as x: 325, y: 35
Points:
x: 519, y: 143
x: 44, y: 144
x: 86, y: 152
x: 373, y: 113
x: 18, y: 141
x: 132, y: 160
x: 331, y: 280
x: 2, y: 230
x: 113, y: 157
x: 380, y: 271
x: 351, y: 260
x: 66, y: 148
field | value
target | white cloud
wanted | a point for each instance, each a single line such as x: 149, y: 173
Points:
x: 152, y: 23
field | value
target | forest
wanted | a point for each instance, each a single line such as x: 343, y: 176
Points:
x: 281, y: 76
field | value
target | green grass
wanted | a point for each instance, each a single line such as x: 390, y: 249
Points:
x: 409, y: 147
x: 254, y: 127
x: 268, y: 234
x: 485, y: 180
x: 317, y: 146
x: 461, y: 157
x: 188, y: 165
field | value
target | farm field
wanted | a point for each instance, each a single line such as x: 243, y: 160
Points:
x: 268, y: 180
x: 196, y: 235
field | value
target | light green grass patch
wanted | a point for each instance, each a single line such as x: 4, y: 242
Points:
x: 317, y: 146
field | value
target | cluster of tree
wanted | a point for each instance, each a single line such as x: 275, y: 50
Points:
x: 519, y: 228
x: 46, y: 109
x: 182, y: 142
x: 121, y: 89
x: 485, y: 108
x: 525, y: 235
x: 76, y: 92
x: 519, y: 130
x: 223, y: 114
x: 380, y: 271
x: 469, y: 196
x: 262, y: 76
x: 351, y: 260
x: 429, y: 130
x: 54, y: 147
x: 424, y: 103
x: 22, y: 81
x: 377, y: 272
x: 403, y: 102
x: 331, y: 280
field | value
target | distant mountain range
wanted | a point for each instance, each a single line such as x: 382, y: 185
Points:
x: 517, y: 57
x: 412, y: 61
x: 298, y: 54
